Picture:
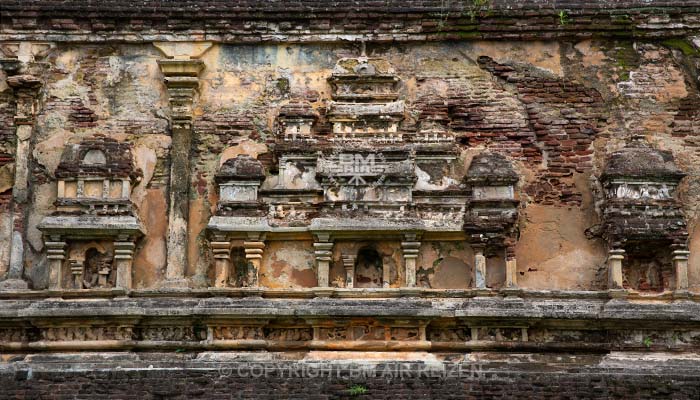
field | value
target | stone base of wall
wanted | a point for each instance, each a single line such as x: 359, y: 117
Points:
x: 336, y: 375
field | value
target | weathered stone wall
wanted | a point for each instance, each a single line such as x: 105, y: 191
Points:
x: 498, y: 223
x: 443, y: 376
x: 556, y: 107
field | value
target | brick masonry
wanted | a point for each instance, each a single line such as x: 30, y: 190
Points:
x: 151, y: 378
x: 543, y: 91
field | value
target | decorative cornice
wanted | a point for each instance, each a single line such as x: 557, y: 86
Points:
x: 313, y: 21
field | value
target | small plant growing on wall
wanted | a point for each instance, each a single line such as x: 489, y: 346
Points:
x: 357, y: 390
x: 563, y: 17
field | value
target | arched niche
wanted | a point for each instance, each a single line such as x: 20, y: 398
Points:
x: 369, y: 268
x: 94, y: 157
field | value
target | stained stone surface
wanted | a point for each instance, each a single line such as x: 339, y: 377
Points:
x: 212, y: 185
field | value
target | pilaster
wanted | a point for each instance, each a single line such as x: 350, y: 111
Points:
x: 479, y: 267
x: 181, y: 70
x: 410, y: 248
x: 254, y: 249
x: 615, y: 257
x: 222, y: 261
x: 123, y: 260
x: 680, y: 266
x: 323, y: 252
x: 25, y: 77
x: 56, y: 253
x: 349, y: 265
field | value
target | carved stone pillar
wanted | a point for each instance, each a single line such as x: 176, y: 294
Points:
x: 181, y: 71
x: 511, y: 264
x: 323, y: 251
x: 24, y: 69
x: 410, y: 248
x: 123, y: 260
x: 349, y: 264
x: 26, y: 88
x: 56, y: 253
x: 222, y: 261
x: 680, y: 265
x: 77, y: 269
x: 254, y: 253
x: 615, y: 257
x: 511, y: 273
x: 479, y: 267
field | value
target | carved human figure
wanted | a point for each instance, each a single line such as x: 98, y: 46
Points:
x: 98, y: 269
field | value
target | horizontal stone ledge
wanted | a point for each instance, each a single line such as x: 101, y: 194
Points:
x: 319, y: 345
x: 343, y: 293
x: 213, y: 361
x: 578, y: 342
x: 661, y: 31
x: 528, y: 311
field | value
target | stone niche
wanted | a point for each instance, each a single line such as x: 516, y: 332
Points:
x: 642, y: 220
x: 237, y: 252
x: 90, y: 237
x: 366, y: 192
x: 491, y: 220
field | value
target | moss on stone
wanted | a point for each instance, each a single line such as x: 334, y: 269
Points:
x: 683, y: 45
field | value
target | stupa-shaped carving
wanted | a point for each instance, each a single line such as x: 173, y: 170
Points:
x: 641, y: 211
x: 90, y: 238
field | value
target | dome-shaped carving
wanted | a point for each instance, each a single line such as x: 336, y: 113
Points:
x: 491, y: 169
x: 97, y: 156
x: 242, y: 167
x: 298, y: 109
x: 641, y: 161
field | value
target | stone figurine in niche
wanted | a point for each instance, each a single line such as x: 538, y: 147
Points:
x: 98, y: 269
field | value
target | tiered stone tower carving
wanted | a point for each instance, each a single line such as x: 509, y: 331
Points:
x: 364, y: 183
x: 643, y: 219
x: 91, y: 236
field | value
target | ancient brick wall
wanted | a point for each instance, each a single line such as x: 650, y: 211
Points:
x: 557, y: 117
x: 385, y: 177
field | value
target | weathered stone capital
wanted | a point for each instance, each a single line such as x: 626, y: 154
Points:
x: 25, y: 81
x: 183, y: 50
x: 254, y: 250
x: 221, y: 249
x: 124, y: 250
x: 616, y: 254
x: 56, y: 250
x: 181, y: 68
x: 26, y: 51
x: 680, y: 254
x: 349, y: 261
